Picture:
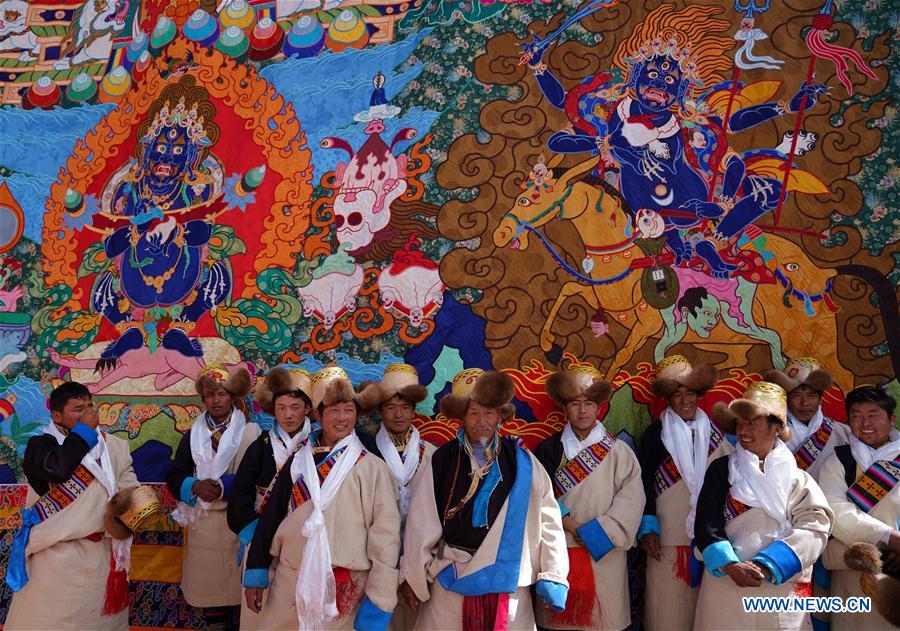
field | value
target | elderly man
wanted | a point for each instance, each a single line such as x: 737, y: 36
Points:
x: 201, y: 478
x: 484, y: 526
x: 813, y: 435
x: 674, y: 454
x: 326, y: 547
x: 597, y: 483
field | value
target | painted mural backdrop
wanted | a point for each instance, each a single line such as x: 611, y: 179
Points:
x: 452, y: 183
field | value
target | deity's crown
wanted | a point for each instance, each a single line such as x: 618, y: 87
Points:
x: 682, y: 55
x: 179, y: 116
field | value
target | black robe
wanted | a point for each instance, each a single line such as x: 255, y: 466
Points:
x: 46, y: 461
x: 255, y: 474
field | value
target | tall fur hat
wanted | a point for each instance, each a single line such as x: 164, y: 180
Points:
x: 280, y: 380
x: 401, y: 380
x: 802, y: 371
x: 761, y: 398
x: 676, y: 371
x: 211, y: 378
x: 883, y: 589
x: 332, y: 385
x: 490, y: 389
x: 578, y: 379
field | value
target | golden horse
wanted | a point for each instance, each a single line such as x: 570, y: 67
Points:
x: 597, y: 216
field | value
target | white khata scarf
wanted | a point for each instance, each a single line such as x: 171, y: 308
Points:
x: 865, y: 456
x: 315, y: 593
x: 573, y: 446
x: 800, y: 431
x: 689, y: 453
x: 98, y: 462
x: 284, y: 446
x: 403, y: 468
x: 210, y: 465
x: 767, y: 490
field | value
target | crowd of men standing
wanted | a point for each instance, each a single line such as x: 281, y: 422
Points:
x: 316, y: 525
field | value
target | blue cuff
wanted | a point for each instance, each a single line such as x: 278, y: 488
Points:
x: 86, y: 433
x: 649, y: 524
x: 595, y: 539
x: 554, y: 594
x: 258, y: 578
x: 187, y: 494
x: 563, y: 508
x: 781, y: 560
x: 227, y: 482
x: 718, y: 555
x: 371, y: 618
x: 245, y: 536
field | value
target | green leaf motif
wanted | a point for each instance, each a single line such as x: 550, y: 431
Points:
x: 223, y: 244
x: 94, y: 260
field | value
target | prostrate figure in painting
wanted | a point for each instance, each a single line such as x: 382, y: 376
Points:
x: 285, y: 393
x: 201, y: 478
x: 65, y: 568
x: 597, y: 483
x: 484, y: 526
x: 761, y: 521
x: 325, y: 551
x: 860, y: 483
x: 674, y: 454
x: 814, y: 436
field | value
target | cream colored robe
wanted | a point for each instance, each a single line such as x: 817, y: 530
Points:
x: 210, y: 575
x: 363, y: 525
x: 719, y: 606
x: 67, y: 573
x: 404, y: 618
x: 669, y: 601
x: 613, y: 494
x: 853, y: 525
x: 544, y: 555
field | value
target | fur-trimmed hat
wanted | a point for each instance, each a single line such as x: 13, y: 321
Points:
x: 490, y: 389
x: 676, y: 371
x: 883, y: 589
x: 802, y: 371
x: 129, y: 509
x: 576, y: 380
x: 281, y: 380
x: 761, y: 398
x: 401, y: 380
x: 332, y: 385
x: 211, y: 378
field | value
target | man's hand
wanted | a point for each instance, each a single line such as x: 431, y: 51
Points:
x: 651, y: 545
x: 745, y: 574
x: 894, y: 541
x: 571, y: 526
x: 254, y: 596
x: 207, y: 490
x: 409, y: 596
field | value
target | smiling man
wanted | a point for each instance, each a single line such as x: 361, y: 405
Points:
x: 674, y: 454
x: 814, y: 436
x: 324, y: 554
x: 601, y: 510
x: 483, y: 526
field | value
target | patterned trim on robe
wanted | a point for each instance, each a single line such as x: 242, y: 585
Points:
x: 300, y: 492
x: 61, y: 495
x: 581, y: 466
x: 874, y: 484
x: 733, y: 507
x: 667, y: 474
x: 812, y: 448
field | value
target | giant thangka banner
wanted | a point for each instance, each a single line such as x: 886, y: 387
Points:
x: 450, y: 183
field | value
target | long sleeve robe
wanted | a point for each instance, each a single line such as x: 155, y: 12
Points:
x: 67, y: 572
x: 853, y: 525
x: 670, y: 599
x: 433, y: 542
x: 727, y: 531
x: 210, y: 574
x: 611, y: 496
x: 363, y: 526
